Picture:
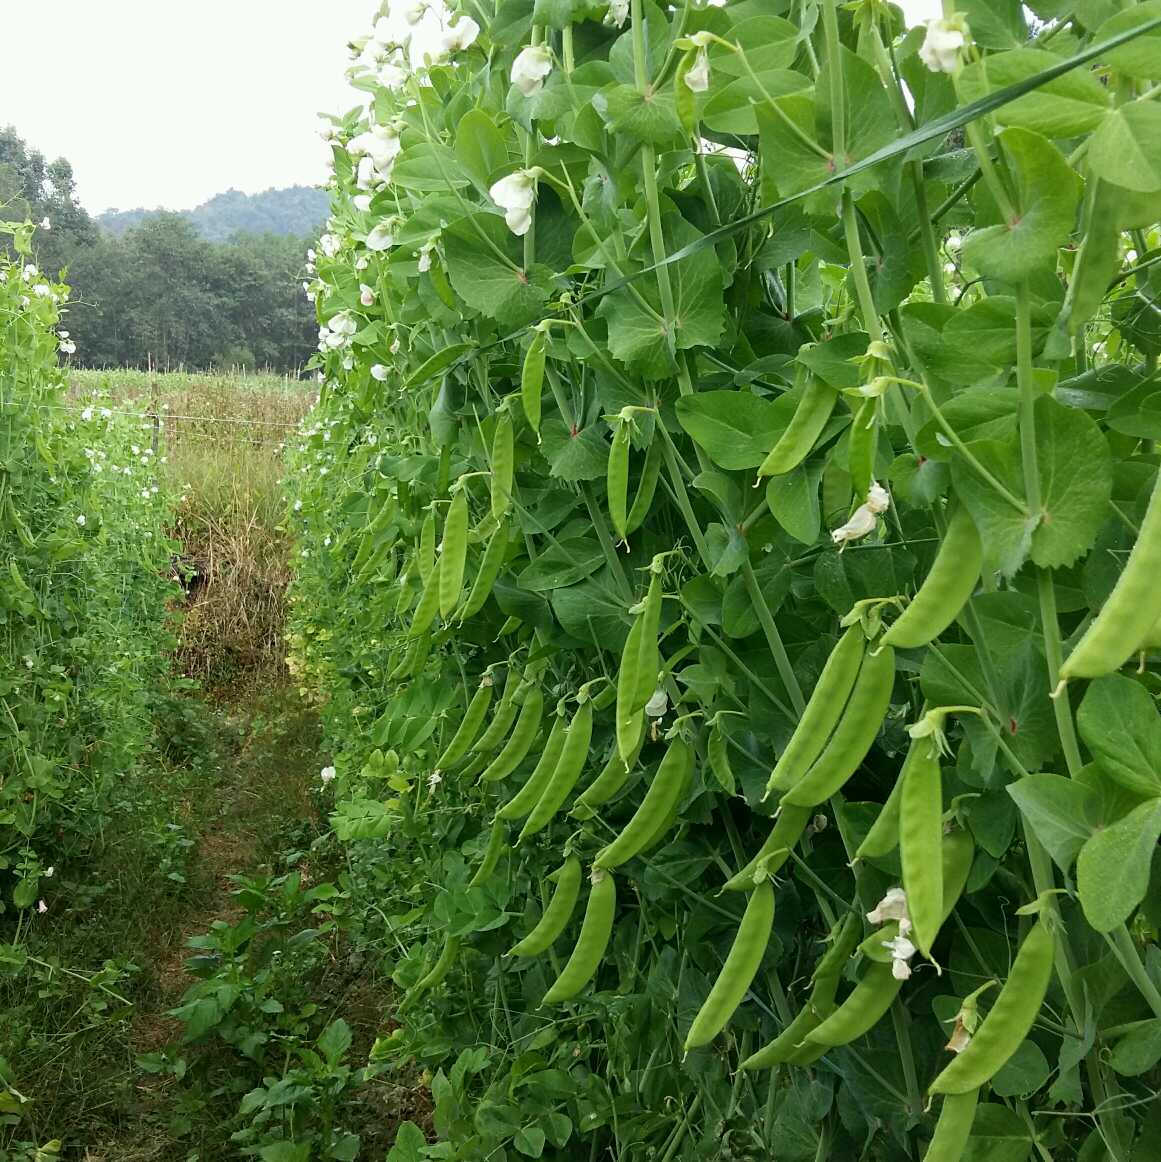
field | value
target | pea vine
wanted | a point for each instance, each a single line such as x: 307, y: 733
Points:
x: 727, y: 539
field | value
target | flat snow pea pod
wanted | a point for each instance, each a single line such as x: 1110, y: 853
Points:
x: 469, y: 727
x: 852, y: 738
x: 491, y: 853
x: 573, y: 754
x: 1000, y: 1033
x: 454, y: 554
x: 665, y: 820
x: 739, y: 970
x: 413, y: 659
x: 617, y: 479
x: 861, y: 1011
x: 719, y: 759
x: 646, y: 488
x: 637, y: 678
x: 863, y: 443
x: 528, y: 795
x: 659, y: 801
x: 784, y: 1049
x: 596, y: 928
x: 827, y: 700
x: 532, y: 379
x: 785, y: 833
x: 805, y: 427
x: 954, y: 1127
x: 883, y: 837
x: 920, y: 841
x: 503, y: 462
x: 945, y: 589
x: 435, y: 975
x: 490, y: 565
x: 519, y: 741
x: 426, y: 555
x: 503, y: 718
x: 428, y: 606
x: 558, y: 913
x: 614, y: 775
x: 1131, y: 609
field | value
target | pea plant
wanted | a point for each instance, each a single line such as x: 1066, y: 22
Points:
x: 728, y: 537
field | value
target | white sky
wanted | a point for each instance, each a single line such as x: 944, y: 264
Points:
x: 161, y: 103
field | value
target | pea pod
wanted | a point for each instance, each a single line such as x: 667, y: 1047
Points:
x: 573, y: 754
x: 490, y: 565
x: 1131, y: 609
x: 637, y: 678
x: 665, y: 820
x: 503, y: 463
x: 617, y: 479
x: 719, y: 760
x: 860, y: 1012
x: 862, y: 445
x: 785, y: 833
x: 786, y: 1047
x: 659, y: 801
x: 883, y: 837
x: 426, y: 556
x: 556, y: 916
x: 945, y: 589
x: 519, y: 741
x: 503, y: 718
x: 826, y: 704
x: 528, y: 795
x: 739, y: 970
x: 646, y: 488
x: 954, y: 1127
x: 596, y: 928
x: 852, y: 738
x: 532, y: 379
x: 434, y: 976
x: 427, y: 608
x: 491, y: 854
x: 805, y: 427
x: 453, y: 554
x: 469, y: 727
x: 1004, y: 1028
x: 920, y: 840
x: 612, y: 778
x: 413, y: 659
x: 1096, y: 261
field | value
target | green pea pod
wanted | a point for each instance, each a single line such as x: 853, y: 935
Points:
x: 369, y: 541
x: 490, y: 565
x: 862, y: 1009
x: 503, y: 718
x: 861, y: 448
x: 503, y: 463
x: 853, y: 735
x: 1008, y: 1021
x: 954, y: 1127
x: 428, y: 606
x: 805, y: 427
x: 826, y: 704
x: 1132, y: 608
x: 646, y: 488
x: 426, y: 557
x: 785, y: 833
x: 617, y: 480
x: 719, y: 760
x: 614, y: 775
x: 519, y: 741
x: 665, y: 820
x: 883, y: 837
x: 820, y: 1004
x: 945, y: 589
x: 453, y: 555
x: 528, y: 795
x: 920, y: 841
x: 532, y: 379
x: 1096, y: 262
x: 406, y: 590
x: 413, y: 659
x: 739, y: 970
x: 1152, y: 637
x: 637, y: 678
x: 596, y: 928
x: 573, y: 754
x: 491, y: 854
x: 558, y: 913
x: 469, y: 727
x: 659, y: 801
x: 435, y: 975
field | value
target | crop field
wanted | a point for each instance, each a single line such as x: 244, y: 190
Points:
x: 679, y: 680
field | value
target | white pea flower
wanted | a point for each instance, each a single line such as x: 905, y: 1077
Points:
x: 412, y: 10
x: 361, y: 202
x: 960, y: 1037
x: 327, y: 775
x: 310, y: 255
x: 382, y: 237
x: 49, y: 872
x: 392, y: 76
x: 861, y: 523
x: 87, y: 414
x: 344, y: 323
x: 876, y: 389
x: 878, y: 498
x: 81, y: 520
x: 698, y: 77
x: 943, y: 44
x: 954, y: 242
x: 379, y: 372
x: 298, y: 506
x: 531, y: 66
x: 902, y: 950
x: 362, y: 262
x: 425, y: 253
x: 460, y: 35
x: 617, y: 14
x: 515, y: 195
x: 329, y: 244
x: 893, y: 906
x: 41, y: 907
x: 45, y: 224
x: 657, y: 705
x: 394, y: 348
x: 366, y: 295
x: 434, y: 780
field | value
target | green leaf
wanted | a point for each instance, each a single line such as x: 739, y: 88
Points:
x: 994, y: 23
x: 430, y: 368
x: 480, y: 148
x: 649, y: 117
x: 285, y: 1152
x: 1126, y: 149
x: 1061, y: 812
x: 529, y: 1140
x: 561, y: 564
x: 486, y: 282
x: 1023, y: 1073
x: 733, y: 107
x: 793, y: 502
x: 1140, y: 57
x: 1138, y: 1050
x: 574, y: 456
x: 409, y: 1144
x: 998, y: 1135
x: 1112, y: 871
x: 1119, y: 724
x: 428, y: 168
x: 736, y: 428
x: 334, y: 1041
x: 1046, y: 195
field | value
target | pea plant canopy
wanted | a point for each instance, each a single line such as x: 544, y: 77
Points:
x: 728, y: 564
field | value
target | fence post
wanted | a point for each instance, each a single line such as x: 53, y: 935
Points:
x: 154, y: 405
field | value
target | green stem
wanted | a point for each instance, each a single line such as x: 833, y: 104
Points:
x: 900, y: 1022
x: 773, y: 638
x: 1125, y: 950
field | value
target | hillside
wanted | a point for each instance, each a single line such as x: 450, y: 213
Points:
x: 295, y: 210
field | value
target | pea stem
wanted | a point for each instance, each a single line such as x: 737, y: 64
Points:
x: 900, y: 1023
x: 1125, y: 951
x: 773, y: 638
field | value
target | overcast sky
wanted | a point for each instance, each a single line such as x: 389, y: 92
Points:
x: 158, y: 103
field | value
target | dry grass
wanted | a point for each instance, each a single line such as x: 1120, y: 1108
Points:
x: 222, y: 436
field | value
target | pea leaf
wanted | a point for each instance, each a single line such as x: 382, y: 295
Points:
x: 648, y: 117
x: 574, y: 456
x: 998, y: 1135
x: 736, y: 428
x: 793, y: 501
x: 561, y: 564
x: 1112, y: 871
x: 1138, y: 1050
x: 1126, y: 149
x: 1046, y: 195
x: 409, y: 1144
x: 1023, y: 1073
x: 1119, y: 723
x: 1060, y: 811
x: 1140, y: 57
x: 995, y: 23
x: 501, y: 290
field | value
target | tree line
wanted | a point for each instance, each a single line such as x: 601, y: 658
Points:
x: 160, y: 291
